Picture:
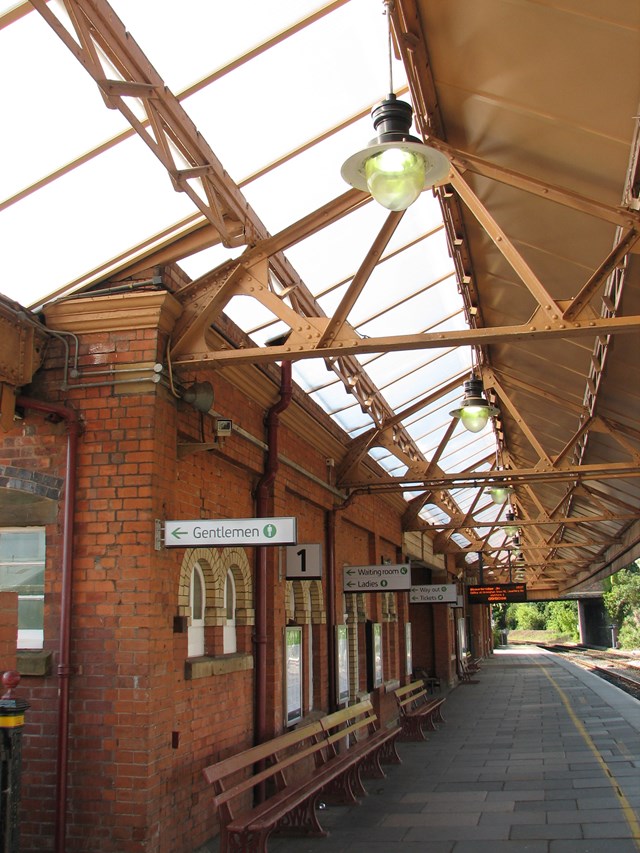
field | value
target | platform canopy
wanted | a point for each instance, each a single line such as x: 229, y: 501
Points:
x: 207, y: 138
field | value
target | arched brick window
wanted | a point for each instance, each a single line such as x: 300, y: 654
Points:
x: 220, y: 580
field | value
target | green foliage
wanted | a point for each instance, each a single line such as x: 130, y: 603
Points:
x: 526, y: 616
x: 499, y: 615
x: 562, y: 616
x: 622, y: 603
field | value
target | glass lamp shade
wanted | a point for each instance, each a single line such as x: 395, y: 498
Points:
x: 474, y: 418
x: 395, y: 172
x: 474, y: 410
x: 499, y: 494
x: 395, y: 177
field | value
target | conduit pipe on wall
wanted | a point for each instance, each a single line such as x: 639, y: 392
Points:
x: 262, y: 508
x: 64, y: 668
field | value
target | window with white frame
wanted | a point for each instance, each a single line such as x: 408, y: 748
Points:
x: 229, y: 639
x: 22, y: 561
x: 197, y: 597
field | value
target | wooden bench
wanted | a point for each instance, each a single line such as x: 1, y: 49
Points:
x: 322, y: 760
x: 356, y: 738
x: 466, y: 670
x: 417, y: 710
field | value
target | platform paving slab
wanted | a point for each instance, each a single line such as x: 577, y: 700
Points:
x: 512, y: 770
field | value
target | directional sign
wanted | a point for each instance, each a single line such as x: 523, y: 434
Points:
x: 223, y: 532
x: 304, y: 562
x: 376, y: 578
x: 433, y: 594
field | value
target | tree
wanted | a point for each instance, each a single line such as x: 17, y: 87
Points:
x: 562, y: 617
x: 526, y: 616
x: 623, y: 605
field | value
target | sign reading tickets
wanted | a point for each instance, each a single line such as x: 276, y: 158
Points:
x: 497, y: 593
x: 433, y: 594
x: 224, y: 532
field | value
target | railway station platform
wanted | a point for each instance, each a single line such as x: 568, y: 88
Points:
x: 536, y: 756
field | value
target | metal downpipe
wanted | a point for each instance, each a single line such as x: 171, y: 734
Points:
x: 262, y: 507
x: 64, y: 668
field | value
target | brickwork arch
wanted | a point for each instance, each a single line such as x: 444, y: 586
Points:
x: 215, y: 563
x: 304, y: 602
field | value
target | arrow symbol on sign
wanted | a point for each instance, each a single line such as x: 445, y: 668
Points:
x: 178, y: 533
x: 350, y: 571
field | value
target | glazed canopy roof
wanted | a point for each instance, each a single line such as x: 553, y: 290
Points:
x: 211, y: 136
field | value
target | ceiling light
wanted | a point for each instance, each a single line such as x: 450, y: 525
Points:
x: 499, y: 492
x: 510, y: 528
x: 395, y: 167
x: 474, y: 411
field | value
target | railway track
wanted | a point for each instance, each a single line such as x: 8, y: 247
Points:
x: 617, y: 668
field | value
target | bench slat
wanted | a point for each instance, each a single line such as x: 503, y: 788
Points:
x: 336, y: 773
x: 417, y: 710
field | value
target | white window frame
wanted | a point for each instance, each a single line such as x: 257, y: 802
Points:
x: 229, y: 636
x: 28, y: 638
x: 195, y: 631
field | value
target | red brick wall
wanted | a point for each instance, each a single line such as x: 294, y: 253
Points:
x: 140, y: 732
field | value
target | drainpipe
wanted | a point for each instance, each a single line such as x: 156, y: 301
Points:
x: 64, y: 668
x: 262, y: 507
x: 331, y: 606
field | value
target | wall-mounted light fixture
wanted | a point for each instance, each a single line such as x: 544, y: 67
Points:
x: 474, y: 410
x: 395, y: 167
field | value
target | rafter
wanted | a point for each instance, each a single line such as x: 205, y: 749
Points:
x: 515, y: 477
x: 538, y: 522
x: 465, y: 161
x: 360, y: 279
x: 298, y: 349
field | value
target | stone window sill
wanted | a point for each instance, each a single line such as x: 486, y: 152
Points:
x: 203, y: 667
x: 36, y: 662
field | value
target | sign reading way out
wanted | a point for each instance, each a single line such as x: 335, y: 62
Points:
x: 223, y: 532
x: 433, y: 594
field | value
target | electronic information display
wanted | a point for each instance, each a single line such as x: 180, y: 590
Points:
x: 497, y: 593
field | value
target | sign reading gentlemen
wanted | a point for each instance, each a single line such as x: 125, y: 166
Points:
x: 230, y: 531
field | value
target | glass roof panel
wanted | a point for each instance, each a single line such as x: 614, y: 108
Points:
x: 281, y: 121
x: 206, y: 32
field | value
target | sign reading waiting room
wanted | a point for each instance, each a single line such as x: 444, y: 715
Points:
x: 223, y: 532
x: 384, y: 578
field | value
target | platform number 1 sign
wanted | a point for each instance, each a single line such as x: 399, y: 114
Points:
x: 304, y: 562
